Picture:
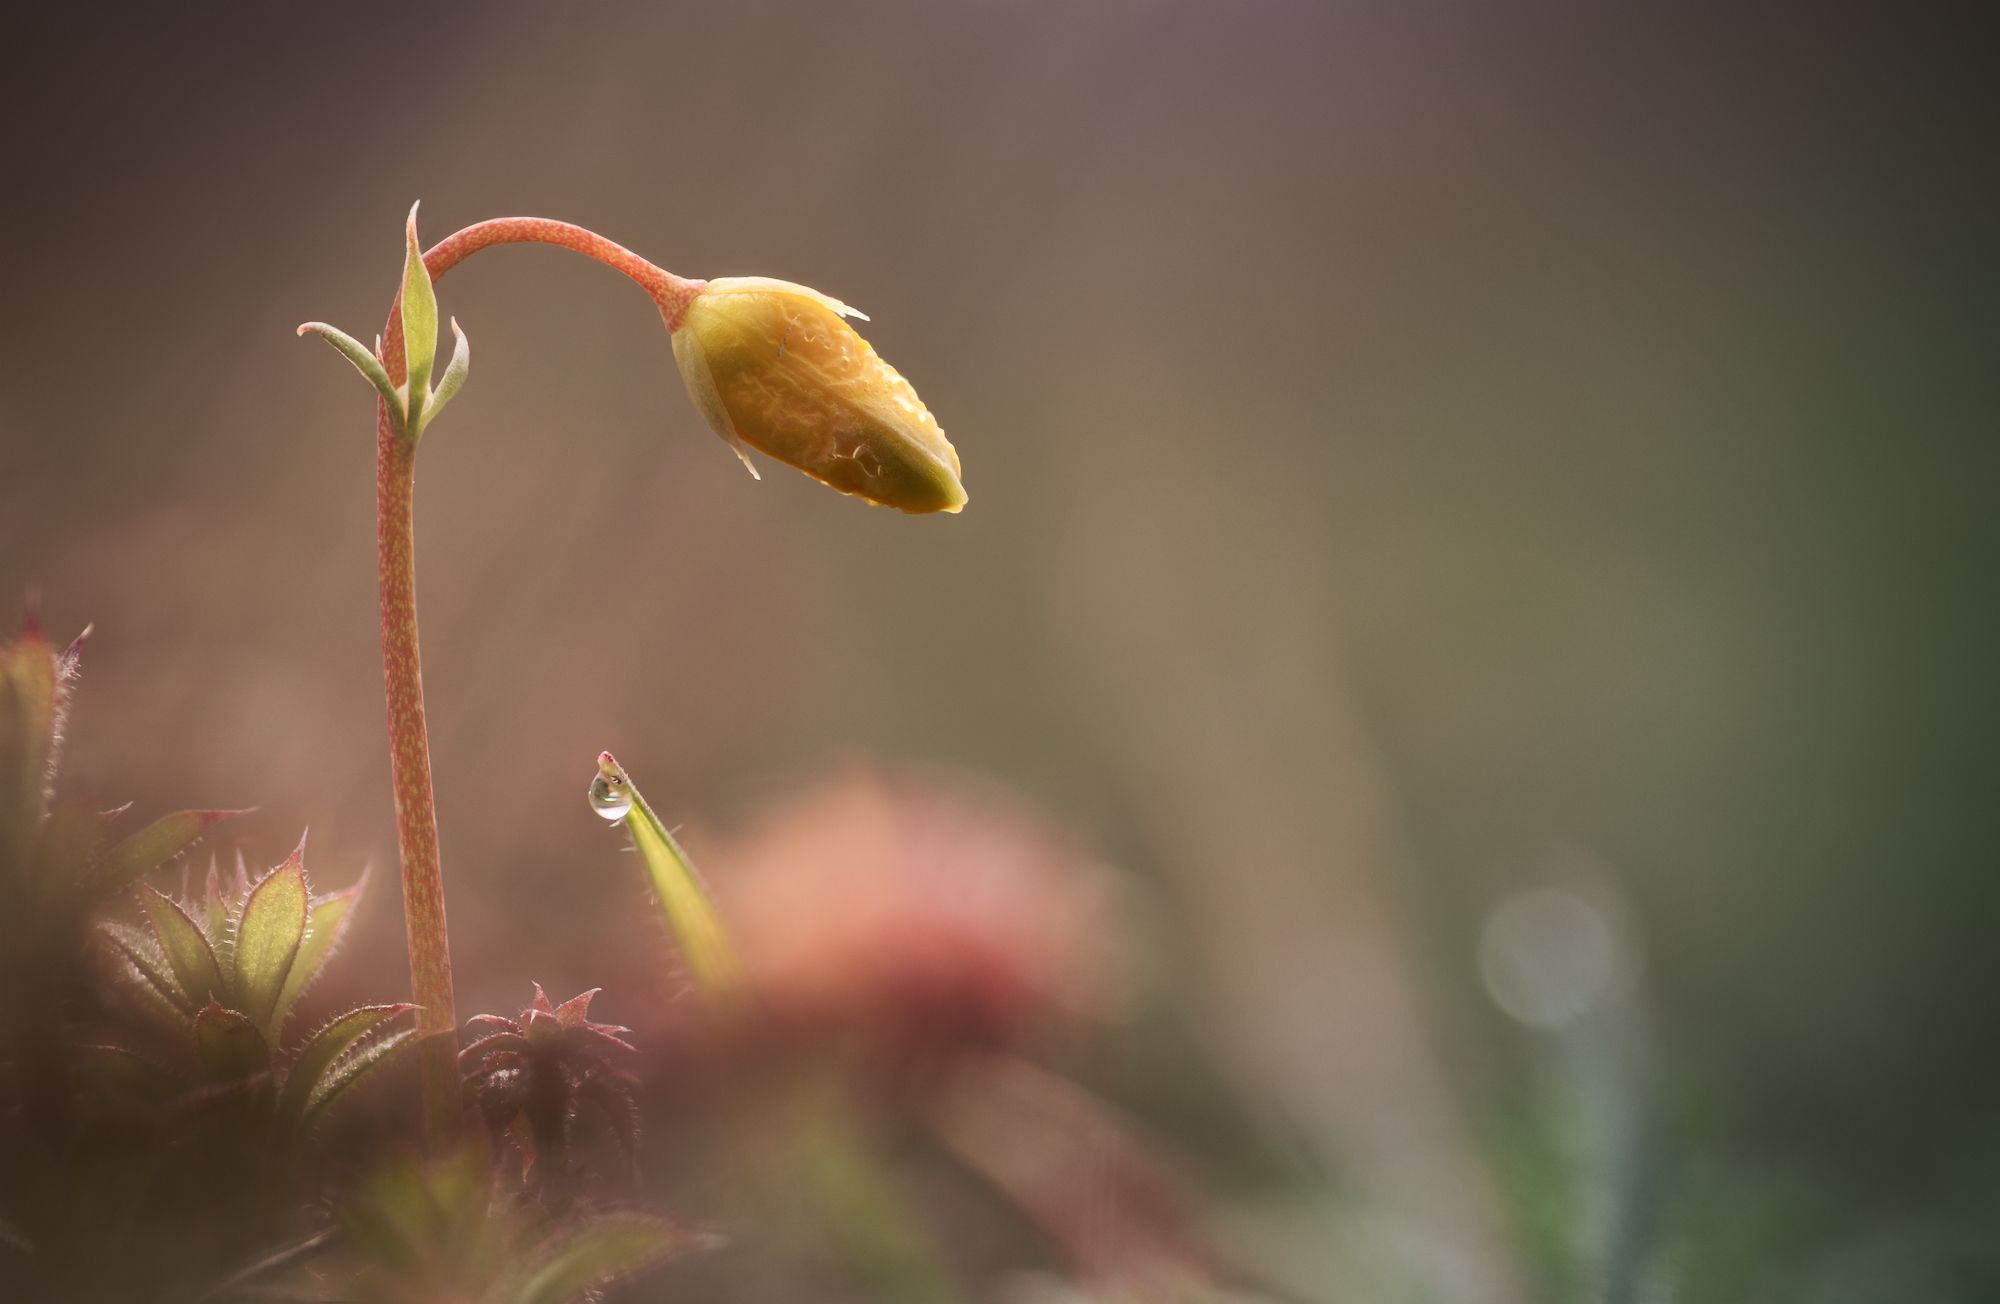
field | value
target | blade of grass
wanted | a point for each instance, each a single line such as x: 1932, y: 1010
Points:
x: 682, y: 894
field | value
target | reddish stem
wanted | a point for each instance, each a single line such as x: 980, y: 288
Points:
x: 402, y: 670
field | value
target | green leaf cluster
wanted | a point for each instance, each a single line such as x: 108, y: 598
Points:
x: 220, y: 975
x: 434, y: 1233
x: 415, y: 403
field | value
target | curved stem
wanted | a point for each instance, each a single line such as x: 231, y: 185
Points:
x: 670, y: 293
x: 402, y: 670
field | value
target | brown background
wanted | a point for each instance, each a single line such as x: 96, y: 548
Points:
x: 1401, y: 441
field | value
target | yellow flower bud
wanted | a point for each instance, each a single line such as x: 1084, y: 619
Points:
x: 772, y: 365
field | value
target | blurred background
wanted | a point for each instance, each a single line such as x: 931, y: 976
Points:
x: 1483, y: 514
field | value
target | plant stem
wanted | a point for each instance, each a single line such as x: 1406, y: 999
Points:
x: 409, y: 742
x: 410, y: 776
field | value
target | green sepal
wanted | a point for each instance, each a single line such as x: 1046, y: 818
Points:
x: 453, y: 378
x: 420, y: 326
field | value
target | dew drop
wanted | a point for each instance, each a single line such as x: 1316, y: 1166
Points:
x: 611, y: 798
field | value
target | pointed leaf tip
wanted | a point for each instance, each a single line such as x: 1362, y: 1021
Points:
x: 74, y: 652
x: 419, y: 306
x: 576, y: 1009
x: 453, y: 379
x: 268, y: 938
x: 137, y: 855
x: 187, y: 949
x: 326, y: 1046
x: 364, y: 362
x: 327, y: 919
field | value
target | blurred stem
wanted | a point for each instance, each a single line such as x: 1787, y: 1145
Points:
x: 409, y: 742
x: 872, y: 1224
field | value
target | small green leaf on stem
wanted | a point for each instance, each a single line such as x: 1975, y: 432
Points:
x: 453, y: 378
x: 364, y: 362
x: 420, y: 325
x: 268, y: 937
x: 188, y: 952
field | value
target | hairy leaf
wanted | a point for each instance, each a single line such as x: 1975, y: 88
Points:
x: 214, y: 919
x: 572, y: 1012
x: 186, y: 949
x: 145, y: 967
x: 327, y: 1045
x: 229, y: 1043
x: 338, y: 1080
x: 268, y: 936
x: 133, y: 857
x: 326, y: 923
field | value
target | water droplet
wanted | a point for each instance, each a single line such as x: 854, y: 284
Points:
x: 610, y: 798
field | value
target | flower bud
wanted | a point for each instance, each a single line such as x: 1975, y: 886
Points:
x: 772, y: 365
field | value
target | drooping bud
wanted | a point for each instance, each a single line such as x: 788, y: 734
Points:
x: 773, y: 365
